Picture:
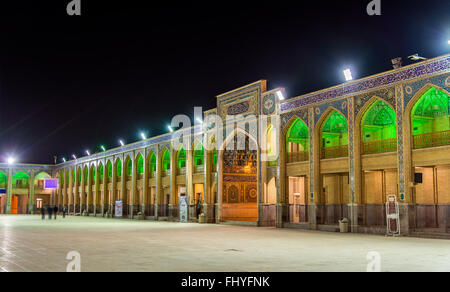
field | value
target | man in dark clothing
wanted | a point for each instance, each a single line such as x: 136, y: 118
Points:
x: 64, y: 212
x: 50, y: 211
x: 55, y: 210
x: 43, y: 212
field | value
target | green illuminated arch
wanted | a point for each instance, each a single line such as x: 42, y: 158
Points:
x: 152, y: 162
x: 199, y: 154
x: 379, y: 128
x: 214, y: 156
x: 166, y: 160
x: 181, y: 158
x: 3, y: 179
x: 73, y: 176
x: 86, y: 174
x: 79, y: 175
x: 119, y: 168
x: 93, y: 173
x: 297, y: 133
x: 42, y: 175
x: 61, y: 178
x: 430, y: 119
x: 100, y: 171
x: 129, y: 167
x: 22, y: 178
x: 109, y: 169
x: 334, y: 131
x: 140, y: 164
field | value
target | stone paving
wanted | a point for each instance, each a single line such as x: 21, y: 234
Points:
x: 30, y: 244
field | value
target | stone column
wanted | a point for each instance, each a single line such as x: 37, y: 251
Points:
x: 159, y: 189
x: 9, y: 191
x: 65, y: 192
x: 145, y: 192
x: 105, y: 188
x: 314, y: 165
x: 133, y: 200
x: 31, y: 209
x: 208, y: 207
x: 219, y: 185
x: 189, y: 185
x: 173, y: 185
x: 83, y: 191
x: 71, y: 202
x: 123, y: 188
x: 89, y: 200
x: 96, y: 188
x: 281, y: 182
x: 113, y: 188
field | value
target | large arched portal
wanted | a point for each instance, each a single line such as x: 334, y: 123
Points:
x: 240, y: 193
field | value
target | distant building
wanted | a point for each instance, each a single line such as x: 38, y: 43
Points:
x: 335, y: 153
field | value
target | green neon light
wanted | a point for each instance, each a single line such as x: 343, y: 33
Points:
x: 379, y: 122
x: 181, y: 159
x: 334, y: 131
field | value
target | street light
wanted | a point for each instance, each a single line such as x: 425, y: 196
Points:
x: 11, y: 160
x: 348, y: 75
x: 170, y: 128
x: 280, y: 95
x: 74, y: 156
x: 63, y: 159
x: 103, y: 148
x: 143, y: 136
x: 121, y: 143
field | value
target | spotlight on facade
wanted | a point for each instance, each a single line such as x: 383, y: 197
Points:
x: 170, y: 128
x: 348, y: 75
x: 121, y: 143
x: 11, y: 160
x: 74, y: 156
x: 280, y: 95
x: 143, y: 136
x: 103, y: 148
x: 88, y: 153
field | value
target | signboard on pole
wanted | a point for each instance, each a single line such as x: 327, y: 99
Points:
x: 118, y: 209
x: 392, y: 216
x: 183, y: 209
x: 51, y: 184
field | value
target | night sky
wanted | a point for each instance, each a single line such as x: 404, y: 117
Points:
x: 71, y: 83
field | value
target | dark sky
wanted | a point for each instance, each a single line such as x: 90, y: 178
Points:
x: 68, y: 84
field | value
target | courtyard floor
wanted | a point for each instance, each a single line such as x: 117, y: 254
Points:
x: 31, y: 244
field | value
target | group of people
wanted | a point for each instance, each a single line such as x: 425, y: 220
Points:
x: 52, y: 210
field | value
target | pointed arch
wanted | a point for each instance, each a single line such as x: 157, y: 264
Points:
x: 199, y: 152
x: 3, y: 179
x: 429, y: 118
x: 140, y: 164
x: 376, y: 125
x: 109, y: 169
x: 128, y: 166
x: 333, y: 130
x: 152, y: 162
x: 100, y: 171
x: 118, y: 167
x: 297, y: 140
x: 181, y: 158
x: 165, y: 159
x: 20, y: 180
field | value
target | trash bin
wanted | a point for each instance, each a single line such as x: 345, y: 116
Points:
x: 343, y: 225
x: 201, y: 218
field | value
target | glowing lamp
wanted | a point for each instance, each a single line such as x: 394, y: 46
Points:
x: 348, y: 74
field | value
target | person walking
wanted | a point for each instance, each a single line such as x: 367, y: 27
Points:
x: 43, y: 212
x: 64, y: 210
x: 55, y: 210
x: 50, y: 211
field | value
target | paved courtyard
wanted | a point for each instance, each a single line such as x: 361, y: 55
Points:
x: 30, y: 244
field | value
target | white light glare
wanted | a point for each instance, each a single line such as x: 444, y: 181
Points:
x: 280, y: 95
x: 74, y: 156
x: 121, y: 143
x: 64, y: 160
x: 199, y: 120
x: 103, y: 148
x: 348, y: 74
x: 11, y: 160
x: 448, y: 42
x: 88, y: 153
x: 170, y: 128
x: 143, y: 136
